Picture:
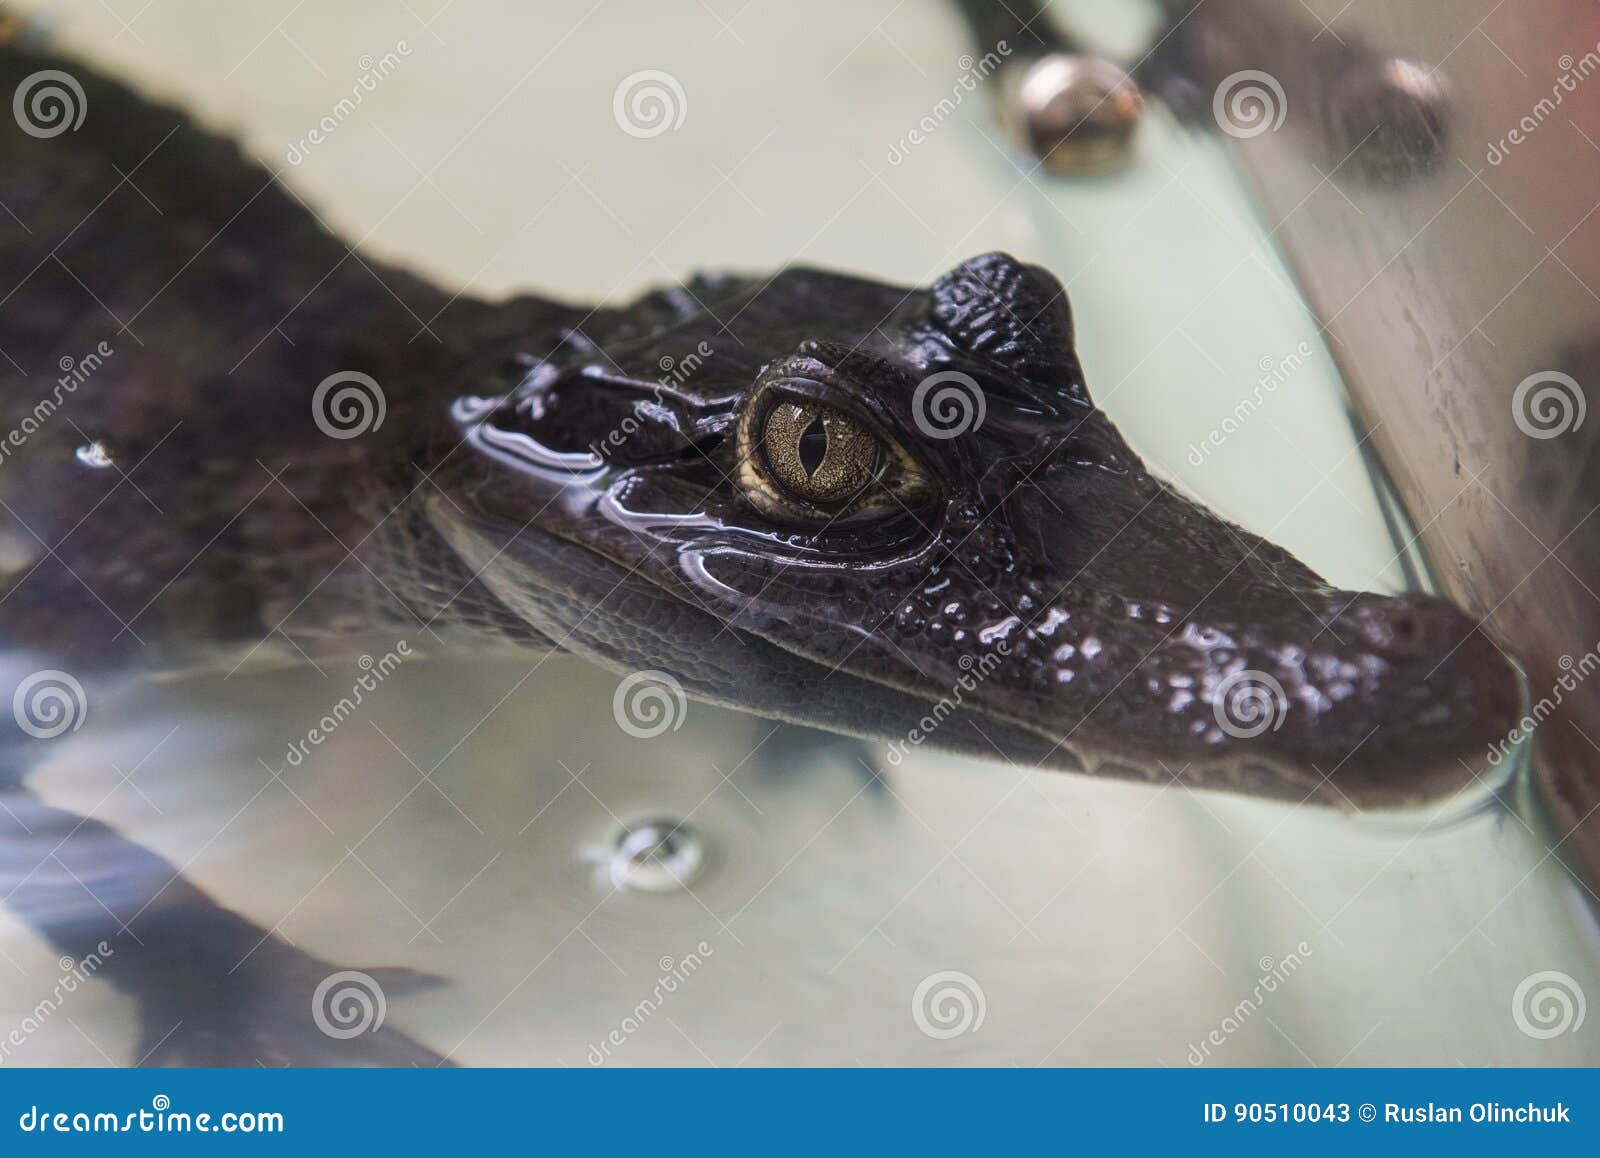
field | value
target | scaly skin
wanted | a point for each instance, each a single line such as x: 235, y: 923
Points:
x: 1124, y: 609
x: 1038, y: 595
x: 1124, y: 612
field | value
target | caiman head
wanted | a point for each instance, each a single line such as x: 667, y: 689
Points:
x: 897, y: 513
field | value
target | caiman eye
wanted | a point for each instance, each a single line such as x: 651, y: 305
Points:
x: 818, y: 454
x: 804, y: 461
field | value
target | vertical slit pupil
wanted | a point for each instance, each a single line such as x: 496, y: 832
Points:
x: 813, y: 445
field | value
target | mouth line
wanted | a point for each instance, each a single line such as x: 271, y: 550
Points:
x: 567, y: 578
x: 772, y: 680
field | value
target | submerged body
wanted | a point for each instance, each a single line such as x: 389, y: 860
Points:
x: 755, y: 485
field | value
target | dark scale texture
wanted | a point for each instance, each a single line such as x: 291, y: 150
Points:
x: 1023, y: 590
x: 1124, y: 609
x: 1127, y: 612
x: 236, y: 305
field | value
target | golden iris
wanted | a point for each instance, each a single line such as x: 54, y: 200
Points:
x: 818, y: 454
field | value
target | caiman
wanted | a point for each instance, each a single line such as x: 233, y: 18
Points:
x: 875, y: 510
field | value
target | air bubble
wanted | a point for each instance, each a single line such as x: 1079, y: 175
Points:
x: 658, y: 855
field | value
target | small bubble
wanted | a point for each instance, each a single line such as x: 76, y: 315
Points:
x: 657, y: 855
x: 95, y: 455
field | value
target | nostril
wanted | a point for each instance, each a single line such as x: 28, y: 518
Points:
x: 1402, y: 628
x: 1413, y: 628
x: 1415, y: 636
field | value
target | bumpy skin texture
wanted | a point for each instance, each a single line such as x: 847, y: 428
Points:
x: 475, y: 518
x: 229, y: 517
x: 227, y: 526
x: 1125, y: 610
